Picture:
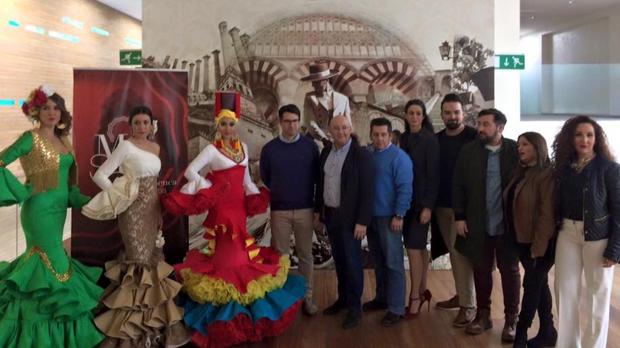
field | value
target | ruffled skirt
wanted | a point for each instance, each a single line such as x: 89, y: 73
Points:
x: 141, y: 309
x: 39, y: 310
x: 238, y: 292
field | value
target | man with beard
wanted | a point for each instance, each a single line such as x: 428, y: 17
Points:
x: 451, y: 140
x: 483, y: 169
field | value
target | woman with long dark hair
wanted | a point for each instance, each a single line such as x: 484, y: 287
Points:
x: 139, y: 302
x: 420, y: 143
x: 588, y: 243
x: 529, y: 212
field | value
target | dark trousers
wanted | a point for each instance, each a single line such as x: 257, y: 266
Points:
x: 347, y: 253
x: 536, y: 293
x: 496, y: 249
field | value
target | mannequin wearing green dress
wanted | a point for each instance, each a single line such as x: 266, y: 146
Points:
x: 46, y: 298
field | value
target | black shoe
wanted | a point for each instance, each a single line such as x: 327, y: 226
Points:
x: 520, y: 340
x: 510, y: 329
x: 390, y: 319
x: 548, y: 338
x: 335, y: 308
x: 352, y: 319
x: 374, y: 305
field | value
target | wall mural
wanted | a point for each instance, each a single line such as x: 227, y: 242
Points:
x: 372, y: 69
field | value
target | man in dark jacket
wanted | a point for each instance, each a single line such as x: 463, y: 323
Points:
x: 451, y: 139
x: 483, y: 169
x: 344, y: 201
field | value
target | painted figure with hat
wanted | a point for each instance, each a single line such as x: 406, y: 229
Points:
x: 323, y: 103
x: 238, y: 291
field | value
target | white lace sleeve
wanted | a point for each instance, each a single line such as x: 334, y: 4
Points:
x: 195, y: 182
x: 102, y: 175
x: 248, y: 184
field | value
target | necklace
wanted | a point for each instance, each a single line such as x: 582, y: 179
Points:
x: 581, y: 163
x: 233, y: 151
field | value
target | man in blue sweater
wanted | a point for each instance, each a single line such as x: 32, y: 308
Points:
x: 289, y: 167
x: 393, y: 190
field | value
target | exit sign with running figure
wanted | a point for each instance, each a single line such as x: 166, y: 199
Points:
x: 510, y: 61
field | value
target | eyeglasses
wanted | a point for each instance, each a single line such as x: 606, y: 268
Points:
x: 289, y: 121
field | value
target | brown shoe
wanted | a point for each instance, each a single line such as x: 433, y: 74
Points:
x: 465, y: 316
x: 452, y: 303
x: 481, y: 323
x: 510, y: 329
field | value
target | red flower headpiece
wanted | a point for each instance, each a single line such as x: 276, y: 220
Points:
x: 36, y: 99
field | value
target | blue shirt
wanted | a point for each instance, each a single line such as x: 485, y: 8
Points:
x: 495, y: 215
x: 393, y: 181
x: 333, y: 171
x: 284, y: 140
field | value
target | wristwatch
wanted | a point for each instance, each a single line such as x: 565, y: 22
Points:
x: 400, y: 217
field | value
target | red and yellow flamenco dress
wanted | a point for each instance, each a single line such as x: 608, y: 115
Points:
x: 238, y: 292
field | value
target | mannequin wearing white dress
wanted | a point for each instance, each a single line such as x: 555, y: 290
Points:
x: 140, y: 309
x: 210, y: 158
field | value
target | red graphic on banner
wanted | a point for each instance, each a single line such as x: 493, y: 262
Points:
x: 102, y: 102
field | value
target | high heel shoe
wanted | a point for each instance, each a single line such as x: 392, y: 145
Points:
x: 426, y: 297
x: 412, y: 302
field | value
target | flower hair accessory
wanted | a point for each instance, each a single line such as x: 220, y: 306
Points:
x: 36, y: 99
x: 153, y: 131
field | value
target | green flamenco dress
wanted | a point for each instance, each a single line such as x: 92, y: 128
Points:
x: 46, y: 298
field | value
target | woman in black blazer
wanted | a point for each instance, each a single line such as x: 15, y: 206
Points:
x: 420, y: 143
x: 588, y: 243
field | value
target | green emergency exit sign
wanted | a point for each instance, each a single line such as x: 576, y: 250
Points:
x: 510, y: 61
x: 130, y: 57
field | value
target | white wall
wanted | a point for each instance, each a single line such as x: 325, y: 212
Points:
x: 507, y: 82
x: 531, y: 77
x: 507, y: 90
x: 559, y: 66
x: 580, y: 71
x: 579, y: 58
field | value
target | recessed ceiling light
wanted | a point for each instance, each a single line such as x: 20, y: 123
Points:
x: 570, y: 2
x: 532, y: 17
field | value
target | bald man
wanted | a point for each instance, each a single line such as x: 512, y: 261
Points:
x: 344, y: 202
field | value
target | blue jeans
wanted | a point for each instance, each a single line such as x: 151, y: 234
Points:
x: 347, y: 253
x: 386, y: 248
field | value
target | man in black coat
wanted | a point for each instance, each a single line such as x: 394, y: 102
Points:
x: 483, y: 169
x: 344, y: 201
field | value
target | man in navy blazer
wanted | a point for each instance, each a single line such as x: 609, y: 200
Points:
x: 344, y: 202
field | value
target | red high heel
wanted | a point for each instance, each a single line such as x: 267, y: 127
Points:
x: 426, y: 297
x: 408, y: 314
